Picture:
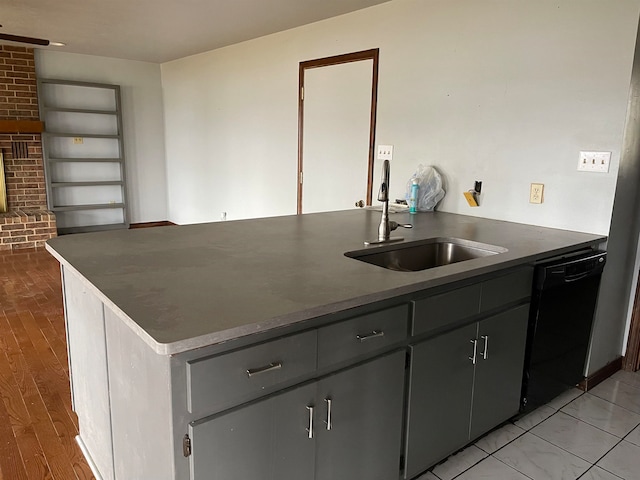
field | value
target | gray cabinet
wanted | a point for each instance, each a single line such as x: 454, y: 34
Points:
x: 441, y: 382
x: 362, y: 335
x: 325, y: 402
x: 248, y: 373
x: 344, y: 426
x: 498, y: 373
x: 267, y: 440
x: 463, y: 383
x: 363, y: 437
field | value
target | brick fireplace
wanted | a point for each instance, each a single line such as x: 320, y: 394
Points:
x: 27, y: 222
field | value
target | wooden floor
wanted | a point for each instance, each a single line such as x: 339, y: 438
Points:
x: 37, y: 425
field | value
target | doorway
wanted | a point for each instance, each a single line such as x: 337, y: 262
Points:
x: 337, y: 105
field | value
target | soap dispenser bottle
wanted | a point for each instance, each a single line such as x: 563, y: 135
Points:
x: 413, y: 198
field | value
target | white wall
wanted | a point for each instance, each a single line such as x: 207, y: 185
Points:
x: 503, y: 91
x: 143, y: 124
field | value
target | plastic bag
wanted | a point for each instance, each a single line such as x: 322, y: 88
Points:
x: 430, y: 192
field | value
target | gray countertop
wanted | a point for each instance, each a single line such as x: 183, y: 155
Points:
x: 185, y: 287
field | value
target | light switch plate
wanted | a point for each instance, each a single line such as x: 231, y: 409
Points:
x: 594, y: 162
x: 536, y: 193
x: 385, y: 152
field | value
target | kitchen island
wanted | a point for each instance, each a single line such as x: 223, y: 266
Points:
x: 207, y: 351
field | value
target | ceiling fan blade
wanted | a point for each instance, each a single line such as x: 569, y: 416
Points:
x: 21, y: 39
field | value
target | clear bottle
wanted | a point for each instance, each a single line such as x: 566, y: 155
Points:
x: 413, y: 198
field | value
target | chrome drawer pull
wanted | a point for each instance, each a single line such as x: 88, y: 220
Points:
x: 310, y: 429
x: 475, y: 351
x: 328, y: 422
x: 373, y: 334
x: 267, y: 368
x: 485, y: 351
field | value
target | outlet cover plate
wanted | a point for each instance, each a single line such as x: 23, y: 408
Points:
x: 594, y: 162
x: 536, y: 193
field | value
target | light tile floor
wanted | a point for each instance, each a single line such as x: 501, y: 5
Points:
x: 587, y: 436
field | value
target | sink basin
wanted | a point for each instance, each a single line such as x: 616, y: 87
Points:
x: 424, y: 254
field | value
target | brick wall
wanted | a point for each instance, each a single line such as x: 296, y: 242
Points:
x: 24, y: 171
x: 26, y: 229
x: 18, y: 94
x: 24, y: 174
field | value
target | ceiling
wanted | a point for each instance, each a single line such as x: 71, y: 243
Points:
x: 161, y: 30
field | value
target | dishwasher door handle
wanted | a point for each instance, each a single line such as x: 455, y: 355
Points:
x: 573, y: 278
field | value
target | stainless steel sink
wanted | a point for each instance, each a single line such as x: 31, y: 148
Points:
x: 424, y: 254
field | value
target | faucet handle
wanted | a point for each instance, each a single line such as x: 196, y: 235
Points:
x: 393, y: 225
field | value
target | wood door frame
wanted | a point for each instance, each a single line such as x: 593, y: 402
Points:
x: 632, y: 355
x: 372, y: 54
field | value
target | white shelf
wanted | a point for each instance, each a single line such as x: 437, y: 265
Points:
x: 86, y: 184
x: 71, y: 105
x: 92, y: 206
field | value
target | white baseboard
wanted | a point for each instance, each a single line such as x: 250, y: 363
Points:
x: 87, y: 456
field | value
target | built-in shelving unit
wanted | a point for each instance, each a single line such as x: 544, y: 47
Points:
x: 83, y: 155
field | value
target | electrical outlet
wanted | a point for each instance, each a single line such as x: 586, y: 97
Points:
x: 536, y: 192
x: 594, y: 162
x: 385, y: 152
x: 78, y: 140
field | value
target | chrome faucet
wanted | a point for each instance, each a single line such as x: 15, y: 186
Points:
x: 386, y: 226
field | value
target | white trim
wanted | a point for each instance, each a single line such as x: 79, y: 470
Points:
x: 87, y: 456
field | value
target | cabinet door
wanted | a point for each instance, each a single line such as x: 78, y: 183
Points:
x: 360, y: 436
x: 439, y: 398
x: 267, y: 440
x: 498, y: 379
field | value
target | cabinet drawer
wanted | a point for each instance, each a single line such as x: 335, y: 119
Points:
x: 506, y: 289
x: 225, y: 380
x: 445, y: 308
x: 361, y: 335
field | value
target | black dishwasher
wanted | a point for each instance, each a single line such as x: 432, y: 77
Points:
x: 565, y: 291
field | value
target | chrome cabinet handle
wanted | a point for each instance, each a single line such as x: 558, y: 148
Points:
x: 485, y: 350
x: 373, y: 334
x: 328, y: 422
x: 475, y: 351
x: 267, y: 368
x: 310, y: 429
